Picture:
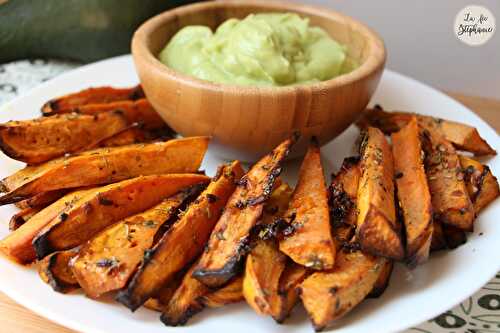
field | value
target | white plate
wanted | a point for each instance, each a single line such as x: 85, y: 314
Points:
x: 412, y: 297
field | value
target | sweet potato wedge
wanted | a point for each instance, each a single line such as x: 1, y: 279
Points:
x: 453, y: 236
x: 107, y: 205
x: 260, y: 279
x: 463, y: 137
x: 342, y: 198
x: 331, y: 294
x: 158, y: 302
x: 287, y: 296
x: 184, y: 241
x: 482, y: 186
x: 99, y: 95
x: 37, y: 141
x: 106, y: 165
x: 413, y: 192
x: 450, y: 201
x: 136, y: 134
x: 438, y: 241
x: 18, y: 247
x: 22, y: 217
x: 229, y: 241
x: 228, y: 294
x: 43, y: 199
x: 383, y: 280
x: 378, y: 231
x: 55, y: 271
x: 311, y: 244
x: 107, y: 261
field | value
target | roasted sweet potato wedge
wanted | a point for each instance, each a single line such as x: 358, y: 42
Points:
x: 18, y: 244
x: 463, y: 137
x: 228, y: 294
x: 413, y: 192
x: 78, y: 216
x: 163, y: 296
x: 311, y: 244
x: 260, y: 279
x: 450, y: 201
x: 438, y: 241
x: 184, y: 241
x: 106, y: 165
x: 107, y: 205
x: 287, y: 296
x: 378, y: 231
x: 342, y: 198
x: 55, y: 270
x: 136, y: 134
x: 453, y: 236
x: 383, y: 280
x: 43, y: 199
x: 22, y: 217
x: 40, y: 140
x: 331, y: 294
x: 482, y: 186
x: 107, y: 261
x: 229, y: 241
x: 99, y: 95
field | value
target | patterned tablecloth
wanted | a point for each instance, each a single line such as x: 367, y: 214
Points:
x: 478, y: 314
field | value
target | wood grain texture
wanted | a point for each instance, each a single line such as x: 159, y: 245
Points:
x: 253, y: 120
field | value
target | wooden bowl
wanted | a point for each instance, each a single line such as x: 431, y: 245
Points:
x: 249, y: 121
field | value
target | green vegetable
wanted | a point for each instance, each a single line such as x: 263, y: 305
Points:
x: 262, y: 49
x: 84, y: 30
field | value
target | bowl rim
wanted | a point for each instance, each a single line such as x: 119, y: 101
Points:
x: 375, y: 61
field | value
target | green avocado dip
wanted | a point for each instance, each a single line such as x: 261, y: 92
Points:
x: 268, y: 49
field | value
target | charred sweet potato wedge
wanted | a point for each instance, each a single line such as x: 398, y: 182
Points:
x: 311, y: 243
x: 106, y: 165
x: 184, y: 241
x: 287, y: 296
x: 229, y: 241
x: 22, y: 217
x: 438, y: 241
x: 413, y: 192
x: 453, y: 236
x: 71, y: 102
x: 378, y: 231
x: 107, y: 261
x: 18, y: 247
x: 260, y: 279
x: 450, y: 201
x: 329, y: 295
x: 342, y: 198
x: 37, y: 141
x: 107, y: 205
x: 463, y: 137
x: 136, y: 134
x: 482, y: 186
x: 383, y: 280
x: 55, y: 271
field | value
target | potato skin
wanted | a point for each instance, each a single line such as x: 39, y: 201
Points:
x: 413, y: 192
x: 331, y: 294
x: 55, y: 271
x: 107, y: 261
x: 462, y: 136
x: 228, y: 242
x: 37, y: 141
x: 183, y: 242
x: 378, y: 231
x: 311, y: 243
x: 450, y: 201
x: 106, y: 165
x: 99, y: 95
